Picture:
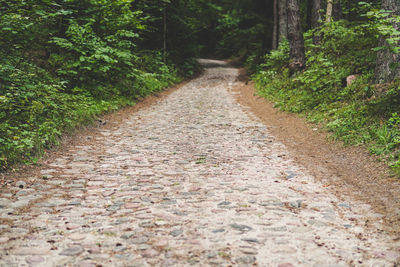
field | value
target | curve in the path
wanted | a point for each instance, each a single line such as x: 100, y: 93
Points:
x: 193, y: 180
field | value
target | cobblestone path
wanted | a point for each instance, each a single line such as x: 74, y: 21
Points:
x: 193, y: 180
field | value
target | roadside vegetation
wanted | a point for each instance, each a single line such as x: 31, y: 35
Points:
x: 62, y: 63
x: 342, y: 86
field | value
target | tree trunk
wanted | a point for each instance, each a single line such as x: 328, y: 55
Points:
x: 295, y: 36
x: 275, y: 30
x: 329, y: 10
x: 165, y: 33
x: 337, y: 12
x: 309, y: 15
x: 316, y: 19
x: 387, y: 63
x: 283, y: 20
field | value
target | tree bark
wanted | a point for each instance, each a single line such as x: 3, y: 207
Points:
x: 275, y: 29
x: 283, y: 20
x: 329, y: 10
x: 165, y: 33
x: 387, y: 63
x: 295, y: 36
x: 316, y: 19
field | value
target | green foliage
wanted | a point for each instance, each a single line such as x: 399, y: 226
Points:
x: 382, y: 22
x: 361, y: 113
x: 62, y: 63
x: 278, y: 59
x: 35, y: 108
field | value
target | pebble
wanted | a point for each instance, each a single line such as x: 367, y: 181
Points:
x: 74, y: 203
x: 241, y: 227
x: 277, y: 229
x: 77, y: 237
x: 132, y: 205
x: 140, y: 240
x: 296, y: 204
x: 224, y: 203
x: 344, y: 205
x: 143, y: 247
x: 250, y: 240
x: 5, y: 203
x: 20, y: 204
x: 31, y: 251
x: 87, y: 264
x: 72, y: 251
x: 176, y: 232
x: 317, y: 223
x: 72, y: 226
x: 150, y: 253
x: 34, y: 260
x: 250, y: 251
x: 160, y: 223
x: 114, y: 208
x: 246, y: 259
x: 146, y: 224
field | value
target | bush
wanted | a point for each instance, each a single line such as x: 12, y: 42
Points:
x: 62, y: 64
x: 362, y: 113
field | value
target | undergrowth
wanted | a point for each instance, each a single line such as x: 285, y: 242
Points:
x: 36, y: 108
x: 362, y: 113
x: 64, y: 63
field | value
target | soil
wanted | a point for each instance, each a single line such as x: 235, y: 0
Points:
x: 347, y: 171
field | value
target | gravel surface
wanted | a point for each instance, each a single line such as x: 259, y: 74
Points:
x: 192, y: 180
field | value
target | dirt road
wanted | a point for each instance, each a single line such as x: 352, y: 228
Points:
x: 192, y: 180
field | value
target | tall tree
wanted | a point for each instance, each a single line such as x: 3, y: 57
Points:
x: 295, y: 36
x: 316, y: 19
x: 329, y: 10
x: 283, y: 20
x: 337, y: 12
x: 275, y: 29
x: 333, y: 10
x: 164, y: 31
x: 387, y: 63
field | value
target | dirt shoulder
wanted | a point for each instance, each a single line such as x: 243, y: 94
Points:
x: 347, y: 171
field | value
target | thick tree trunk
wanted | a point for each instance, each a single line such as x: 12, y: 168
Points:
x: 283, y: 20
x: 316, y: 19
x: 329, y: 10
x: 295, y: 36
x: 387, y: 62
x: 275, y: 30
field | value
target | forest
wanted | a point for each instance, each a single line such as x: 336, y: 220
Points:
x: 64, y: 62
